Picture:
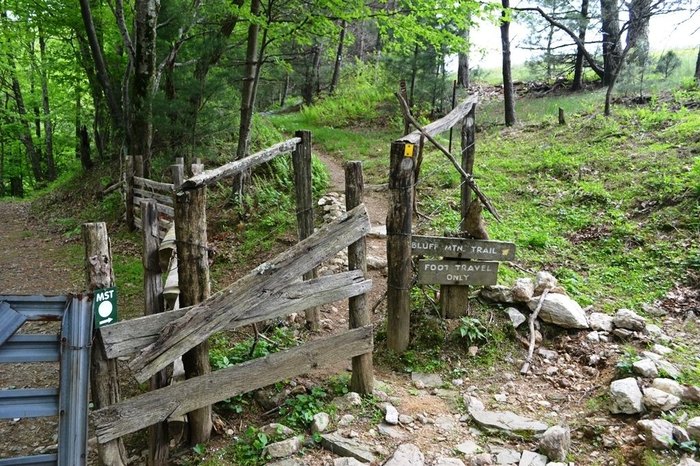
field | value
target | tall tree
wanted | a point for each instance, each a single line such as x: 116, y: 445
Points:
x: 508, y: 92
x: 578, y: 65
x: 338, y: 57
x: 48, y: 127
x: 142, y: 84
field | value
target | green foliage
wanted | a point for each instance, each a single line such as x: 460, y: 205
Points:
x: 667, y: 63
x: 472, y: 331
x: 363, y: 89
x: 625, y: 365
x: 248, y: 448
x: 298, y: 412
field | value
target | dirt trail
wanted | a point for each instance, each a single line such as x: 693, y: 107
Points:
x: 32, y: 261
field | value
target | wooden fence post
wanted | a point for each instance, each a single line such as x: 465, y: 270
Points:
x: 362, y: 379
x: 158, y: 444
x: 177, y: 172
x: 301, y: 160
x: 193, y: 280
x: 454, y: 298
x: 138, y: 166
x: 104, y: 378
x: 129, y: 188
x: 398, y: 244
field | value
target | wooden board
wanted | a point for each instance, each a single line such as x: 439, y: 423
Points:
x: 452, y: 272
x: 152, y: 407
x: 460, y: 248
x: 130, y: 336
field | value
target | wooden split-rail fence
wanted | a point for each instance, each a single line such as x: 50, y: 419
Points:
x: 281, y: 286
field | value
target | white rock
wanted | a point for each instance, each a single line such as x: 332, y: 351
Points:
x: 544, y: 280
x: 444, y: 461
x: 529, y: 458
x: 276, y: 430
x: 555, y: 443
x: 468, y: 447
x: 646, y: 368
x: 658, y: 432
x: 686, y: 461
x: 482, y: 459
x: 506, y: 455
x: 668, y: 386
x: 560, y: 310
x: 630, y: 320
x: 601, y: 322
x: 658, y: 400
x: 347, y: 461
x: 654, y: 331
x: 625, y: 397
x: 667, y: 368
x: 516, y: 317
x: 320, y: 422
x: 391, y: 414
x: 693, y: 428
x: 594, y: 337
x: 523, y: 290
x: 284, y: 448
x: 661, y: 349
x: 406, y: 455
x: 497, y: 294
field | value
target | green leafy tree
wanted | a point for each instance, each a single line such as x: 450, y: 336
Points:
x: 667, y: 63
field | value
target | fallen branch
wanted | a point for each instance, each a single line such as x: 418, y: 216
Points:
x: 467, y: 177
x: 526, y: 365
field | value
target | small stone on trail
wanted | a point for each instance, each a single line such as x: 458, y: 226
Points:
x: 287, y: 462
x: 686, y: 461
x: 601, y: 322
x: 652, y: 310
x: 405, y: 419
x: 659, y: 400
x: 530, y: 458
x: 444, y: 461
x: 658, y: 432
x: 497, y: 294
x: 506, y: 455
x: 628, y: 319
x: 645, y: 368
x: 668, y: 386
x: 284, y: 448
x: 661, y: 349
x: 693, y: 428
x: 482, y: 459
x: 427, y: 380
x: 347, y: 447
x: 320, y: 422
x: 468, y: 447
x: 544, y: 280
x: 593, y: 337
x: 276, y: 430
x: 523, y: 290
x: 473, y: 350
x: 667, y: 368
x: 555, y: 443
x: 680, y: 435
x: 500, y: 397
x: 625, y: 397
x: 347, y: 461
x: 391, y: 414
x: 390, y: 431
x: 406, y: 455
x: 506, y: 420
x: 516, y: 317
x: 346, y: 420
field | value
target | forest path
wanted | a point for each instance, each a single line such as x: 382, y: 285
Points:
x: 33, y: 260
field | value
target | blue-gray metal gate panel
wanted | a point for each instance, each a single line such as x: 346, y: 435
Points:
x: 72, y: 348
x: 30, y: 348
x: 28, y: 402
x: 35, y: 460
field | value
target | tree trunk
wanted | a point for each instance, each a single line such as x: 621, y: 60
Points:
x: 508, y: 92
x: 48, y: 128
x: 285, y: 91
x: 310, y: 81
x: 141, y: 121
x: 248, y: 91
x: 85, y: 159
x: 610, y: 13
x: 697, y: 67
x: 638, y: 31
x: 338, y: 58
x: 578, y: 67
x: 414, y: 73
x: 113, y: 105
x: 26, y: 134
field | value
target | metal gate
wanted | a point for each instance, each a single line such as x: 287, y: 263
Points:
x: 71, y: 349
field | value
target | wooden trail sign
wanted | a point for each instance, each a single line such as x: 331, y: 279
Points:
x: 460, y: 248
x: 455, y: 272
